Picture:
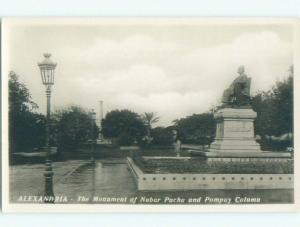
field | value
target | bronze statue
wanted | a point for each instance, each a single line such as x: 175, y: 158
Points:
x: 238, y: 94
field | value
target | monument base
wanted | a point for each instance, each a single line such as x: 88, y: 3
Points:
x: 235, y: 131
x: 235, y: 145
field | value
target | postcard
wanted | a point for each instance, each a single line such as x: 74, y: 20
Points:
x: 150, y: 114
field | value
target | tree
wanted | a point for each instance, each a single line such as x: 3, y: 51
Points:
x: 26, y: 128
x: 283, y: 103
x: 19, y: 95
x: 275, y: 112
x: 197, y: 129
x: 162, y: 136
x: 124, y: 126
x: 72, y: 127
x: 150, y: 118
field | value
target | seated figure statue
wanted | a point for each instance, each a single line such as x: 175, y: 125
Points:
x: 238, y: 93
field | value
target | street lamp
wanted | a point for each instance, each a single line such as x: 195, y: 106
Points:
x: 93, y: 122
x: 47, y: 73
x: 100, y: 136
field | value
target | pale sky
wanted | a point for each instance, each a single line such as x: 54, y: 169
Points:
x: 172, y: 69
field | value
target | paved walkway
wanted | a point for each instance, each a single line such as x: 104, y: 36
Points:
x: 28, y: 179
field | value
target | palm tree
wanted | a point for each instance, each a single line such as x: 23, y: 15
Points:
x: 150, y: 118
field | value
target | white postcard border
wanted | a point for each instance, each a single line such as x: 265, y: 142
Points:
x: 83, y: 208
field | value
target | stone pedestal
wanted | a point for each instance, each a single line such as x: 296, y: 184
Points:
x: 235, y: 131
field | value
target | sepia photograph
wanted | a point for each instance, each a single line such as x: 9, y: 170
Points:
x: 179, y: 113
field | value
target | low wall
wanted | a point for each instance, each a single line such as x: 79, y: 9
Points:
x: 248, y: 159
x: 166, y: 157
x: 188, y: 181
x: 264, y: 156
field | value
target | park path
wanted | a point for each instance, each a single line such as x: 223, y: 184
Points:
x: 28, y: 179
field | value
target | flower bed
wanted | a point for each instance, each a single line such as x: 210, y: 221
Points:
x: 200, y: 166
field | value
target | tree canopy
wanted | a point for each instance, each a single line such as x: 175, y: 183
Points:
x: 162, y: 136
x: 26, y: 127
x: 72, y: 127
x: 275, y: 108
x: 275, y: 114
x: 197, y: 128
x: 125, y: 126
x: 150, y: 118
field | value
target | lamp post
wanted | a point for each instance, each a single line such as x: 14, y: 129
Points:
x: 47, y: 68
x: 93, y: 122
x: 100, y: 136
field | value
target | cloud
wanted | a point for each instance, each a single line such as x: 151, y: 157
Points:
x: 111, y: 54
x: 157, y: 72
x: 264, y: 55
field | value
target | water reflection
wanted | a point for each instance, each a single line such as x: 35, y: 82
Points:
x: 104, y: 179
x: 93, y: 180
